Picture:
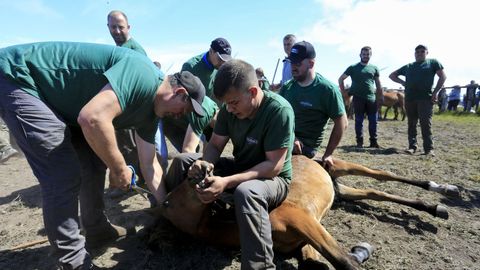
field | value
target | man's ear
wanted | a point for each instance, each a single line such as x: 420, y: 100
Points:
x: 253, y: 91
x: 180, y: 90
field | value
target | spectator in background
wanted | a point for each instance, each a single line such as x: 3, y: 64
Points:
x: 477, y: 100
x: 419, y: 97
x: 288, y: 42
x: 119, y: 28
x: 262, y: 80
x: 367, y: 95
x: 454, y: 98
x: 469, y: 100
x: 442, y: 100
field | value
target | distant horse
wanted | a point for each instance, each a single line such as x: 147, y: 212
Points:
x: 393, y: 99
x: 296, y: 222
x: 347, y: 102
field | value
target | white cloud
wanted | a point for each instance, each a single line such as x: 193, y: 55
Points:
x: 394, y: 27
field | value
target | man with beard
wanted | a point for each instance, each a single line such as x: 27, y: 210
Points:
x: 365, y: 98
x: 315, y: 100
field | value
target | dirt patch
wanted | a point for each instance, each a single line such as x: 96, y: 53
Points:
x: 404, y: 238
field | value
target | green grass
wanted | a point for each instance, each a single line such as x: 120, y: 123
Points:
x: 458, y: 117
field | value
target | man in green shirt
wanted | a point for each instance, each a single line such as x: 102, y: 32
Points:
x: 364, y: 77
x: 120, y: 31
x: 315, y: 100
x: 62, y: 102
x: 119, y: 28
x: 419, y: 97
x: 260, y: 127
x: 186, y: 132
x: 205, y: 65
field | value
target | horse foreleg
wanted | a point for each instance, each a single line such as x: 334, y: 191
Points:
x: 297, y: 226
x: 353, y: 194
x: 385, y: 114
x: 342, y: 168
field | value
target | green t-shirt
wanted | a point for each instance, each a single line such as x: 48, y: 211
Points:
x: 363, y: 80
x: 67, y: 75
x: 271, y: 129
x: 134, y: 45
x: 313, y: 105
x: 265, y: 84
x: 419, y: 78
x: 197, y: 123
x: 203, y: 70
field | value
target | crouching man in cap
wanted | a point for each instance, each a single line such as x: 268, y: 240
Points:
x: 315, y: 101
x: 260, y: 126
x: 62, y: 101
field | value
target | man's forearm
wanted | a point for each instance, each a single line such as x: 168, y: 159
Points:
x: 101, y: 138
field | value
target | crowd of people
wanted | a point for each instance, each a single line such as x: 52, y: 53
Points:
x: 113, y: 108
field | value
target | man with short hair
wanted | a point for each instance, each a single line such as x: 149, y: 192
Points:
x: 288, y: 41
x: 119, y: 28
x: 366, y: 100
x: 262, y: 80
x: 63, y: 105
x: 419, y: 97
x: 205, y: 65
x: 260, y: 127
x: 120, y: 31
x: 315, y: 101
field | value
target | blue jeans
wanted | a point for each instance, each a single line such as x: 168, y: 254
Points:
x: 66, y: 168
x: 361, y: 107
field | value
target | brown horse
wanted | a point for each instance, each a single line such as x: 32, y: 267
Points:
x: 347, y: 102
x: 296, y: 222
x: 396, y: 100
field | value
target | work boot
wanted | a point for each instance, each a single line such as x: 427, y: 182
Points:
x: 374, y: 144
x: 100, y: 236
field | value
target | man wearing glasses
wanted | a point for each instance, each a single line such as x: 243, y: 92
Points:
x: 315, y: 101
x: 63, y: 101
x: 419, y: 97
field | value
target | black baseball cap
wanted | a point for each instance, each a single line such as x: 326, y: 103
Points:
x: 195, y: 89
x: 421, y: 47
x: 223, y: 48
x: 301, y: 50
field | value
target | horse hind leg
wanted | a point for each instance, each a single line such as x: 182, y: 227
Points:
x: 343, y: 168
x: 353, y: 194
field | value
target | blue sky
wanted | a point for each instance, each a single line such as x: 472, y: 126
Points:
x: 173, y: 31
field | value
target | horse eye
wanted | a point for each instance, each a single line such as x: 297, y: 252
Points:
x: 166, y: 203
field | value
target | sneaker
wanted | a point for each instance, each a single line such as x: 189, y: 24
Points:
x: 411, y: 151
x: 7, y: 154
x: 98, y: 237
x: 430, y: 153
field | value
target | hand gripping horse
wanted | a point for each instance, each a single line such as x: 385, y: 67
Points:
x: 296, y: 222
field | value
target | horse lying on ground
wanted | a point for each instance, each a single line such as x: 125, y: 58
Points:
x: 296, y: 222
x: 396, y: 100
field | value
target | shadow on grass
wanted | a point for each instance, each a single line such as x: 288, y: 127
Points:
x: 370, y: 150
x: 409, y: 222
x: 469, y: 198
x: 29, y: 197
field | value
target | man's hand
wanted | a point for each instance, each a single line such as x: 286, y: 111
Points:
x: 213, y: 187
x: 327, y: 162
x: 297, y: 147
x: 121, y: 179
x: 200, y: 169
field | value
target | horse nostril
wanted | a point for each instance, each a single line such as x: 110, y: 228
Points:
x: 166, y: 203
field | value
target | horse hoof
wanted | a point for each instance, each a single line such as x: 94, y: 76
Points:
x: 451, y: 190
x: 361, y: 252
x: 441, y: 212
